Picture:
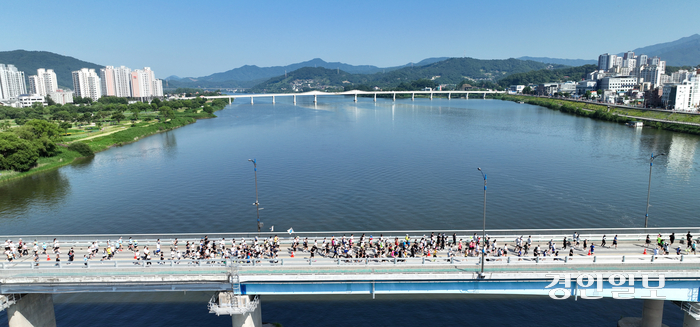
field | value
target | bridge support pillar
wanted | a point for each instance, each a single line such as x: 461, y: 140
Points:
x: 484, y: 96
x: 690, y: 321
x: 295, y: 99
x: 413, y: 97
x: 273, y: 99
x: 394, y: 96
x: 315, y: 98
x: 449, y: 96
x: 431, y: 96
x: 375, y: 97
x: 249, y: 319
x: 355, y: 97
x: 251, y: 100
x: 229, y: 100
x: 32, y: 310
x: 653, y: 312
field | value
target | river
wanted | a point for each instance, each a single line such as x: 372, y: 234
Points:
x: 340, y: 165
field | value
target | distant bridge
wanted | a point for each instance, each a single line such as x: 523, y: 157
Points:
x: 623, y: 272
x: 354, y: 93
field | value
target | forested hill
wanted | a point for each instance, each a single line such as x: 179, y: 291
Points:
x: 30, y: 61
x: 548, y: 75
x: 449, y: 71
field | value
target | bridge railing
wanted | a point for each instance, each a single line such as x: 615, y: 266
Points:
x: 621, y: 261
x: 502, y: 235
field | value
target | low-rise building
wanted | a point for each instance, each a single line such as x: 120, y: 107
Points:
x: 587, y: 85
x: 62, y: 96
x: 618, y: 83
x: 547, y: 88
x: 518, y: 89
x: 26, y: 100
x: 567, y: 87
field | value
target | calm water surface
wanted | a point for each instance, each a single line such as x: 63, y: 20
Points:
x: 341, y: 165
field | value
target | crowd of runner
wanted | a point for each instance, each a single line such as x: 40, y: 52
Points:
x: 364, y: 247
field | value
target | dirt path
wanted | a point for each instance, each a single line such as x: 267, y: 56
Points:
x: 98, y: 135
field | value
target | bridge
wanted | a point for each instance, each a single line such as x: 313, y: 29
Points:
x: 631, y: 270
x: 354, y: 93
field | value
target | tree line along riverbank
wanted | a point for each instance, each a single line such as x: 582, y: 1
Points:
x: 614, y: 114
x: 39, y: 139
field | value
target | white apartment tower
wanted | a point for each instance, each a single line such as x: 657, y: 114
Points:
x: 144, y: 84
x: 43, y: 83
x: 12, y: 82
x: 158, y: 88
x: 651, y: 74
x: 116, y: 81
x: 87, y: 84
x: 107, y: 81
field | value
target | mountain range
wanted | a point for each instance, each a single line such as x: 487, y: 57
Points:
x: 559, y: 61
x: 251, y: 74
x: 30, y: 61
x: 682, y: 52
x: 448, y: 71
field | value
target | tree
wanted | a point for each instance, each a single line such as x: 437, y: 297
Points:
x: 118, y: 116
x: 50, y: 101
x: 167, y: 112
x: 135, y: 112
x: 61, y: 115
x: 208, y: 109
x: 527, y: 90
x: 16, y: 154
x: 42, y: 128
x: 65, y: 125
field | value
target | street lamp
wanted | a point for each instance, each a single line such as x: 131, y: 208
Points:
x: 256, y: 204
x: 651, y: 164
x: 483, y: 237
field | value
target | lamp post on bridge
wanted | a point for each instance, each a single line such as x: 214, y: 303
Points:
x: 256, y: 204
x: 651, y: 164
x: 483, y: 237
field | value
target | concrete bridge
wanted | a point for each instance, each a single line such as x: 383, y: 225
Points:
x: 622, y: 272
x: 354, y: 93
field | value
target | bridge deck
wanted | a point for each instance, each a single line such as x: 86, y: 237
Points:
x: 301, y: 274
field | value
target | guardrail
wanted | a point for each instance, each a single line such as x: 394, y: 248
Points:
x: 455, y: 261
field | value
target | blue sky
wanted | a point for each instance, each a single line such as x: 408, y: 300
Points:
x: 197, y: 38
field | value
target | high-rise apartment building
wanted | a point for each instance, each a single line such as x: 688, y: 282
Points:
x: 43, y: 83
x: 87, y: 84
x: 642, y: 60
x: 107, y: 81
x: 116, y: 81
x: 158, y: 88
x: 651, y: 74
x: 603, y: 61
x: 12, y: 82
x: 145, y: 85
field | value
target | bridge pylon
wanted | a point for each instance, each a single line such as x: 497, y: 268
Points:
x: 244, y: 309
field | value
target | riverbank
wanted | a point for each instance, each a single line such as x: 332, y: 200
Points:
x: 667, y: 120
x: 101, y: 143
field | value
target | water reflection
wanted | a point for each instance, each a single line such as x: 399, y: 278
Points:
x: 45, y: 190
x: 82, y: 164
x: 681, y: 154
